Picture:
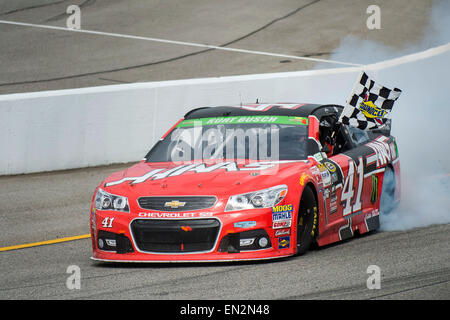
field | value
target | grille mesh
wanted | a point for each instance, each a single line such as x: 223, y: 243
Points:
x: 175, y: 236
x: 176, y: 204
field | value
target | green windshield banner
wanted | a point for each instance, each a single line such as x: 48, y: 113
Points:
x: 298, y: 121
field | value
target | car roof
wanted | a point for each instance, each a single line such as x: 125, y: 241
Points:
x: 268, y: 109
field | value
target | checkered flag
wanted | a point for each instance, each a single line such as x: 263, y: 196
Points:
x: 369, y: 105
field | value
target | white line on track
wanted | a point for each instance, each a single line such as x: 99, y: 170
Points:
x: 183, y: 43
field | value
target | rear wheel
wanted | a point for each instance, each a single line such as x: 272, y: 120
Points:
x: 387, y: 199
x: 307, y: 221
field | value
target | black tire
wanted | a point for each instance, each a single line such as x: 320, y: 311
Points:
x: 307, y: 221
x: 387, y: 198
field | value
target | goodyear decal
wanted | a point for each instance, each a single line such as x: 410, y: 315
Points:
x: 313, y: 231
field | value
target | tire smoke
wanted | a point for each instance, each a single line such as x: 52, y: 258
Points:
x: 420, y: 120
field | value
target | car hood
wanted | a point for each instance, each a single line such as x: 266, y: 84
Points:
x: 201, y: 178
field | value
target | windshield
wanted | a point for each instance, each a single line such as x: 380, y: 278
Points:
x: 241, y: 137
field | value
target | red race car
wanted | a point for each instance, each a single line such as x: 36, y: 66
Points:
x: 250, y: 182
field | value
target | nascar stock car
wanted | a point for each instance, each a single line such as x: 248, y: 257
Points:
x: 249, y: 182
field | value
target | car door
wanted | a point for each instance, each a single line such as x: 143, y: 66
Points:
x: 351, y: 191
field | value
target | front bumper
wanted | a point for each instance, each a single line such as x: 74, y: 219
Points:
x: 192, y: 237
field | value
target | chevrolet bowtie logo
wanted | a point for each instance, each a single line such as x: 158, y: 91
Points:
x: 174, y: 204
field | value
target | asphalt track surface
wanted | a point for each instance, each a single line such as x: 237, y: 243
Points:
x: 40, y: 59
x: 414, y: 263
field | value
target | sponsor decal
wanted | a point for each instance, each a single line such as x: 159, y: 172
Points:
x: 175, y: 215
x: 330, y: 166
x: 281, y: 224
x: 282, y: 216
x: 283, y: 242
x: 334, y: 177
x: 333, y: 203
x: 382, y: 152
x: 302, y: 120
x: 372, y: 214
x: 313, y: 231
x: 326, y: 178
x: 374, y: 193
x: 282, y: 232
x: 162, y: 173
x: 287, y: 207
x: 279, y: 216
x: 370, y: 110
x: 318, y: 156
x: 244, y: 120
x: 315, y: 171
x: 282, y: 212
x: 245, y: 224
x: 371, y: 219
x: 303, y: 178
x: 328, y: 172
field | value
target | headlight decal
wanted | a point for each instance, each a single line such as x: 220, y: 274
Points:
x: 108, y: 201
x: 265, y: 198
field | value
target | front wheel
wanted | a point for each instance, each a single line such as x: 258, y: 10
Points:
x: 307, y: 221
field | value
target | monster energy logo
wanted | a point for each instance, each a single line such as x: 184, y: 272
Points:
x: 374, y: 194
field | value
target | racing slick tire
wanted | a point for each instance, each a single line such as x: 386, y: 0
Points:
x: 307, y: 221
x: 387, y: 198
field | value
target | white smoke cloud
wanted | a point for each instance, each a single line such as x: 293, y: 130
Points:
x: 362, y: 51
x: 420, y: 121
x: 425, y: 201
x: 423, y: 134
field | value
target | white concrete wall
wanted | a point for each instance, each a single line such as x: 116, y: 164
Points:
x: 421, y: 117
x: 75, y: 128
